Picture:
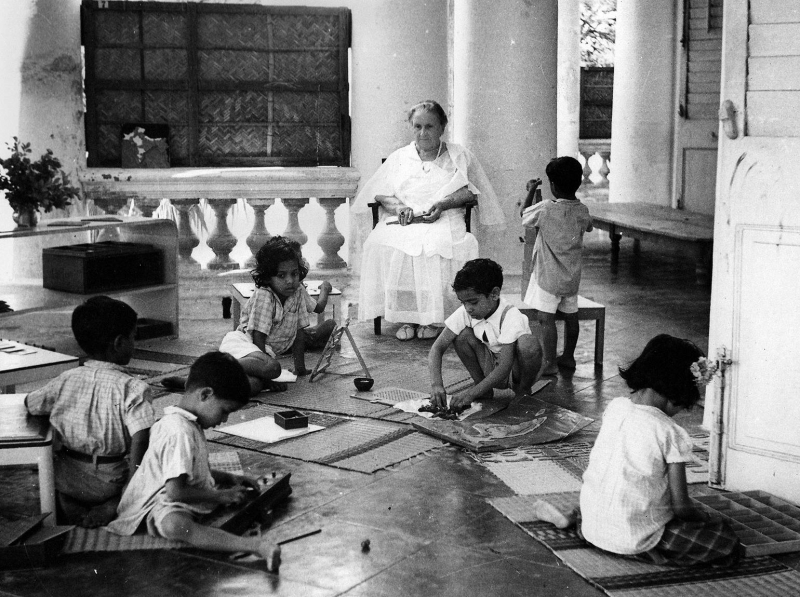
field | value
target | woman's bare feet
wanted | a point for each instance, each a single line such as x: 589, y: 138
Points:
x: 549, y: 513
x: 275, y: 386
x: 566, y: 362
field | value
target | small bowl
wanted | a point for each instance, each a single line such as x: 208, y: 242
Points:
x: 363, y: 384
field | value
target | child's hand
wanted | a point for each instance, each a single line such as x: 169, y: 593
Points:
x: 460, y: 400
x: 247, y: 482
x: 325, y: 287
x: 438, y: 396
x: 234, y: 495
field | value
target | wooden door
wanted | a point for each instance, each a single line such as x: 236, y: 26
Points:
x: 699, y: 63
x: 755, y: 302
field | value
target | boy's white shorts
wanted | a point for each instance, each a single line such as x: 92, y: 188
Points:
x: 543, y: 301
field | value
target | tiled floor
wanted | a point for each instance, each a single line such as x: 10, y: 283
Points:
x: 430, y: 528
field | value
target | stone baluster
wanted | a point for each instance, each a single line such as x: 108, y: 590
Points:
x: 293, y: 230
x: 330, y: 239
x: 587, y: 169
x: 187, y: 239
x: 110, y: 203
x: 147, y: 205
x: 221, y: 240
x: 258, y: 235
x: 604, y: 169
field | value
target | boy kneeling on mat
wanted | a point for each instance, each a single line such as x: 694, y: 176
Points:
x: 491, y: 337
x: 175, y: 485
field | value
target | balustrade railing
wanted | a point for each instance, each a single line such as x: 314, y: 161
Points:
x: 596, y: 154
x: 202, y: 202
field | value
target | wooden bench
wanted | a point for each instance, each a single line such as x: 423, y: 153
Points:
x: 587, y: 311
x: 660, y: 224
x: 242, y: 291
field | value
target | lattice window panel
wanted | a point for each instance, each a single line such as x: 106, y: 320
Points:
x: 237, y: 84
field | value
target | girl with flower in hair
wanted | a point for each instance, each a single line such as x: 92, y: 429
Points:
x: 634, y: 500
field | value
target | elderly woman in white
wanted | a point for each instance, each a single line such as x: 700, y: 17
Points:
x: 411, y: 257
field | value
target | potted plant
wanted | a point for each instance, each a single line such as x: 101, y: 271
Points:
x: 30, y: 186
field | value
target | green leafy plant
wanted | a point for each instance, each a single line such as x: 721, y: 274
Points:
x: 35, y: 185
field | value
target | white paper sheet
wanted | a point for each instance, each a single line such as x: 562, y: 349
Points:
x: 266, y: 430
x: 286, y: 376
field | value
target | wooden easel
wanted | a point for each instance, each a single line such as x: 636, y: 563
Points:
x: 335, y: 340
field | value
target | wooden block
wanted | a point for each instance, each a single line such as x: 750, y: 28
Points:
x: 238, y: 518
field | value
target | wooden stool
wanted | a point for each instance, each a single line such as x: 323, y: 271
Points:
x: 587, y: 311
x: 28, y: 440
x: 242, y: 291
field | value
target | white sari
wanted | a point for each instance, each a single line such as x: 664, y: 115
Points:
x: 407, y: 271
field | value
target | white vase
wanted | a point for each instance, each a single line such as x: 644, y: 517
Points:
x: 26, y: 218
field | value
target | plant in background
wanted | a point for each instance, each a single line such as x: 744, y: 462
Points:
x: 33, y: 185
x: 598, y: 24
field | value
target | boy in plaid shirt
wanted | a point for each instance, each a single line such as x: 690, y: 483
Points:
x: 101, y: 415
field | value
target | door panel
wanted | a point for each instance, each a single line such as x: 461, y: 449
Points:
x: 755, y: 307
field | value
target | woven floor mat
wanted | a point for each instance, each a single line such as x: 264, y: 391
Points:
x: 620, y: 576
x: 573, y: 457
x: 83, y: 540
x: 359, y: 445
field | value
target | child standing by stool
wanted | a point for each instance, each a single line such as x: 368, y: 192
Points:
x: 275, y: 319
x: 557, y: 260
x: 634, y: 499
x: 101, y: 415
x: 175, y: 485
x: 491, y: 337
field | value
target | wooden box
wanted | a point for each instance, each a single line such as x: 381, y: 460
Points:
x: 101, y: 267
x: 291, y: 419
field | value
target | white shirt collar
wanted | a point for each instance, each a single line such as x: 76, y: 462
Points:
x: 177, y: 410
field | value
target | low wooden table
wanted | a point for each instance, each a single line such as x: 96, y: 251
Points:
x: 28, y: 440
x: 660, y: 224
x: 242, y: 291
x: 587, y: 311
x: 21, y: 363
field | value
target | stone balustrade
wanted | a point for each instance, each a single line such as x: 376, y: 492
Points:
x: 596, y: 155
x: 112, y: 189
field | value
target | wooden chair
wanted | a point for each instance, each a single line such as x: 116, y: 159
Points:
x: 376, y: 218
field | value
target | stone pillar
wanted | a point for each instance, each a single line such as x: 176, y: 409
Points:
x: 221, y: 240
x: 399, y: 52
x: 187, y: 239
x: 643, y: 120
x: 293, y: 230
x: 569, y: 76
x: 258, y: 235
x: 330, y: 239
x: 505, y: 103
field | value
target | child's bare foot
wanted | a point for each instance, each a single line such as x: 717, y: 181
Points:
x: 566, y: 362
x: 272, y: 554
x: 549, y: 370
x: 301, y: 371
x: 549, y: 513
x: 275, y: 386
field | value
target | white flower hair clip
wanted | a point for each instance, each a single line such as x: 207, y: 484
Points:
x: 703, y: 371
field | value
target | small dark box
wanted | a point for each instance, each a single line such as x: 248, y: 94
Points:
x: 101, y: 267
x: 291, y: 419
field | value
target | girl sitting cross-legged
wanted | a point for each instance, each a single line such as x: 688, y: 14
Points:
x: 634, y: 500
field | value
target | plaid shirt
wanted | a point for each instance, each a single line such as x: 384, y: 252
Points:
x: 264, y: 312
x: 95, y: 409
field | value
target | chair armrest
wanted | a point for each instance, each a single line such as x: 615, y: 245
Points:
x: 375, y: 212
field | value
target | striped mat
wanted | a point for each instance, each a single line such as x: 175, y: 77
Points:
x: 559, y: 466
x: 83, y: 540
x: 626, y: 577
x: 361, y: 445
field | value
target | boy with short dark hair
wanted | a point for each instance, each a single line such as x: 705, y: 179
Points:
x: 100, y: 414
x: 557, y: 260
x: 175, y: 485
x: 491, y: 337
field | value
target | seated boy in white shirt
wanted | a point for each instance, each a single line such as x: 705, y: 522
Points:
x: 491, y: 337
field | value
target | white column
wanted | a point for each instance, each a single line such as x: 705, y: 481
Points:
x: 641, y: 130
x: 505, y: 102
x: 399, y: 59
x: 569, y: 76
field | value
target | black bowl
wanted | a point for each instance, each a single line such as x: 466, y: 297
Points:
x: 363, y: 383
